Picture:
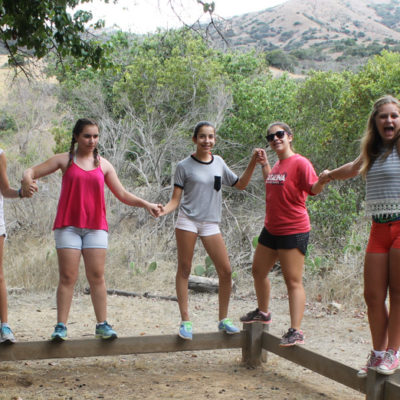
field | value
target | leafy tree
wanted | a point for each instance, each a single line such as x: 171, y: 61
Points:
x: 257, y: 101
x: 38, y: 27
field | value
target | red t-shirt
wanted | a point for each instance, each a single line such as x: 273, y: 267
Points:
x: 287, y: 188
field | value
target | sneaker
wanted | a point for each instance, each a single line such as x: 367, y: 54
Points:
x: 185, y: 330
x: 292, y: 337
x: 105, y: 331
x: 389, y: 363
x: 226, y: 325
x: 6, y: 334
x: 256, y: 316
x: 60, y: 332
x: 373, y: 362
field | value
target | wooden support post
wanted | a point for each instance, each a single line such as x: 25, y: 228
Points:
x: 376, y: 384
x: 253, y: 353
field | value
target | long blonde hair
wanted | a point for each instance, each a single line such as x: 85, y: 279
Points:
x: 372, y: 143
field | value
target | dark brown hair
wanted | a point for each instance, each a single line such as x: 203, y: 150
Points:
x: 76, y: 131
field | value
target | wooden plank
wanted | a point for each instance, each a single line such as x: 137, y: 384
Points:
x: 126, y: 345
x: 392, y: 389
x: 332, y: 369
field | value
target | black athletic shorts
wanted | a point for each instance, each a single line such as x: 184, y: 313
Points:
x: 296, y: 241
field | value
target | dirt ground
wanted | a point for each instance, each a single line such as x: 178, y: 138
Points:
x: 187, y: 375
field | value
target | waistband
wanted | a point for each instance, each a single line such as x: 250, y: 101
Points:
x: 382, y: 219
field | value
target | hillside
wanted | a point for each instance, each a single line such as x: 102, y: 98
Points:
x: 323, y: 31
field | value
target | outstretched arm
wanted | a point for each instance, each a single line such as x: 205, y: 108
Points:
x: 244, y: 180
x: 346, y: 171
x: 116, y: 187
x: 174, y: 202
x: 59, y: 161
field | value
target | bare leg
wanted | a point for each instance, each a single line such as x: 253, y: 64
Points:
x: 186, y: 242
x: 216, y: 249
x: 68, y: 266
x: 95, y: 260
x: 263, y: 261
x: 292, y: 264
x: 394, y: 290
x: 3, y: 288
x: 376, y: 278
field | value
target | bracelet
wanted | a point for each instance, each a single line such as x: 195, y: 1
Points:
x: 264, y: 165
x: 20, y: 193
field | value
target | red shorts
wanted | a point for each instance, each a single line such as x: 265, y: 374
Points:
x: 384, y: 237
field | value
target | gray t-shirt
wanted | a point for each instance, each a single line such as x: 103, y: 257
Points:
x: 201, y: 183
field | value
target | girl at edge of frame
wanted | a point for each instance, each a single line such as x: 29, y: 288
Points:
x: 6, y: 334
x: 199, y: 178
x: 285, y: 234
x: 80, y: 227
x: 379, y: 165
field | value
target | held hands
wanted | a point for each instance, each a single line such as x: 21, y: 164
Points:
x: 261, y: 156
x: 324, y: 177
x: 28, y: 189
x: 155, y: 209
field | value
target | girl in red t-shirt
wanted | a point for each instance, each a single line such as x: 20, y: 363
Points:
x: 286, y: 229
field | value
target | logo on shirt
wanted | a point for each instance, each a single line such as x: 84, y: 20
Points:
x: 276, y: 179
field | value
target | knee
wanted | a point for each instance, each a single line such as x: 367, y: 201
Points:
x: 68, y: 279
x: 258, y: 272
x: 225, y: 273
x: 294, y: 284
x: 374, y: 298
x: 183, y: 270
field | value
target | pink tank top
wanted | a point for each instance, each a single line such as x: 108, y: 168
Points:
x: 81, y: 202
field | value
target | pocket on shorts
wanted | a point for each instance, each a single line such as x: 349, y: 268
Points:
x: 217, y: 183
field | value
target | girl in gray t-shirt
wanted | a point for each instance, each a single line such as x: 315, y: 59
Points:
x: 199, y: 178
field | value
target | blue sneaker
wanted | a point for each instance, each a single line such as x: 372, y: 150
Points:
x: 6, y: 334
x: 185, y: 330
x: 105, y: 331
x: 226, y: 325
x: 60, y: 332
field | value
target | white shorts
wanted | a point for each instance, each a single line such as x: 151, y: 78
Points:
x: 201, y: 228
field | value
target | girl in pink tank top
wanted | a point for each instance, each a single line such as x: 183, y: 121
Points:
x: 80, y: 226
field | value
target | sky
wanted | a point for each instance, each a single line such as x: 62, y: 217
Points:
x: 143, y: 16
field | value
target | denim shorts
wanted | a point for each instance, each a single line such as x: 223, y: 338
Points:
x: 80, y: 238
x: 296, y: 241
x: 201, y: 228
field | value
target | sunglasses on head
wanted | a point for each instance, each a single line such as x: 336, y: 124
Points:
x: 278, y: 134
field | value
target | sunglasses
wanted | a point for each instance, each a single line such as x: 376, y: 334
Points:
x: 278, y: 134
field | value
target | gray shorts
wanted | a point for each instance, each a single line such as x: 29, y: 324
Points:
x: 79, y: 238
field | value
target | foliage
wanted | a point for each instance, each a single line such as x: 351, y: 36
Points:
x: 38, y: 27
x: 177, y: 68
x: 281, y: 59
x: 257, y: 101
x: 207, y: 269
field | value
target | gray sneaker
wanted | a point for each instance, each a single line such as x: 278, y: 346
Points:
x: 292, y: 337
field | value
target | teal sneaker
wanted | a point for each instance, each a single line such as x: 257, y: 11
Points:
x: 226, y: 325
x: 185, y: 330
x: 6, y: 334
x: 105, y: 331
x: 60, y: 333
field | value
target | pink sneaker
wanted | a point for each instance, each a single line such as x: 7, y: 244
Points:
x: 389, y: 363
x: 373, y: 362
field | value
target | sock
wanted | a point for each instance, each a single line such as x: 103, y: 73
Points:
x: 5, y: 324
x: 263, y: 313
x: 379, y: 353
